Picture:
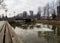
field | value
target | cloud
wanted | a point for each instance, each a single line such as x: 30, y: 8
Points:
x: 21, y: 5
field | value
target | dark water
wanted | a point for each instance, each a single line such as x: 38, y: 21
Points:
x: 38, y: 33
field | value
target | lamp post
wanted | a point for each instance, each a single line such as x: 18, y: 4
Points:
x: 14, y: 13
x: 6, y: 13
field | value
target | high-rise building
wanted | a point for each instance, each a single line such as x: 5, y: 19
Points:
x: 58, y: 9
x: 39, y: 13
x: 31, y: 14
x: 25, y: 14
x: 58, y: 12
x: 58, y: 2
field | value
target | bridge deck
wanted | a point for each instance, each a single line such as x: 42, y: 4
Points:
x: 7, y: 34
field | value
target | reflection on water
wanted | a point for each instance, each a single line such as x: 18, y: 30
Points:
x: 38, y: 33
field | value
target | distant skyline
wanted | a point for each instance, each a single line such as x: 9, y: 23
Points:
x: 25, y: 5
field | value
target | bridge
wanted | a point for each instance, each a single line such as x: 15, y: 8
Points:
x: 7, y: 34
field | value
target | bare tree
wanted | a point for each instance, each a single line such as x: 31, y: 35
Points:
x: 44, y: 10
x: 1, y: 1
x: 39, y: 13
x: 54, y: 13
x: 47, y: 11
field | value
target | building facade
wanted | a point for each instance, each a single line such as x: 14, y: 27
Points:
x: 31, y: 14
x: 58, y: 12
x: 25, y: 14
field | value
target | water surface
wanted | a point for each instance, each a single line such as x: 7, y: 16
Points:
x: 38, y: 33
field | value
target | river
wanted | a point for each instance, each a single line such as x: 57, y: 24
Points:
x: 38, y: 33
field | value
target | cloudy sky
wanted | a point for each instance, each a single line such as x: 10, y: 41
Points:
x: 25, y: 5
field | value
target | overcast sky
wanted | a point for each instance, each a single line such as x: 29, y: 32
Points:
x: 25, y: 5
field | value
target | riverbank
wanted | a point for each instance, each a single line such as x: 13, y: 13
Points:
x: 51, y: 22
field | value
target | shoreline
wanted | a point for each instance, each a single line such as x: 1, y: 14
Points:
x: 50, y: 22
